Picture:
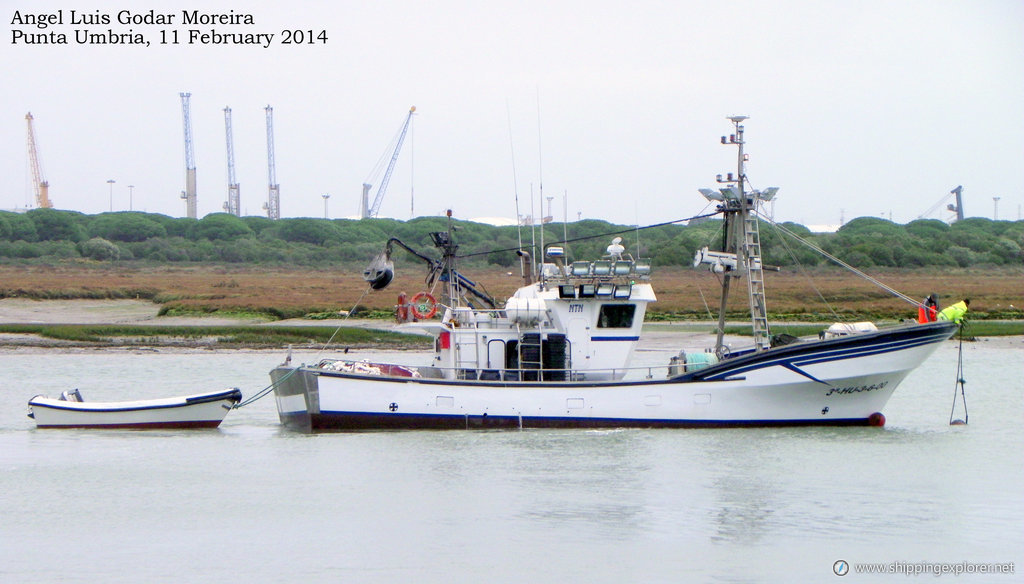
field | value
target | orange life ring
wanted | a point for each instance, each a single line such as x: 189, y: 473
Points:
x: 423, y: 306
x: 402, y: 308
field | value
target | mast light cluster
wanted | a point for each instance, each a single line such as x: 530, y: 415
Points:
x: 732, y: 193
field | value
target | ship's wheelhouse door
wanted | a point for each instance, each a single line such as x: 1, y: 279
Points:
x: 579, y: 343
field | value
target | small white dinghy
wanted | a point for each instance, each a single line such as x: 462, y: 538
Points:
x: 202, y: 410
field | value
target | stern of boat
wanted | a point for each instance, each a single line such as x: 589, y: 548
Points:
x: 295, y: 391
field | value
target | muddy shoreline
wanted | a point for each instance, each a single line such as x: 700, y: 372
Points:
x: 657, y: 336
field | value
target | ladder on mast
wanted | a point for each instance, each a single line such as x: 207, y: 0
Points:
x: 741, y: 247
x: 755, y: 280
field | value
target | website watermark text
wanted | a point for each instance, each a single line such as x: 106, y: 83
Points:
x: 842, y: 568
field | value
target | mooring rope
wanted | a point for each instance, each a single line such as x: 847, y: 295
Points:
x: 263, y: 392
x: 960, y: 381
x: 266, y: 390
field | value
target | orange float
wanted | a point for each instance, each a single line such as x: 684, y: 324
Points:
x: 423, y: 306
x: 402, y: 308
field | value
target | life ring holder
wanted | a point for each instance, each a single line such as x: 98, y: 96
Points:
x: 402, y: 308
x: 423, y: 306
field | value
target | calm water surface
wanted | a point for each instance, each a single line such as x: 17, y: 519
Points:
x: 254, y: 503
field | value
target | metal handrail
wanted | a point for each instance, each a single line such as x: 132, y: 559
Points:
x: 587, y: 376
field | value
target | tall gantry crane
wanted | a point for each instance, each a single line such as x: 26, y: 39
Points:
x: 189, y: 194
x: 40, y: 185
x: 365, y: 209
x: 234, y: 203
x: 273, y: 204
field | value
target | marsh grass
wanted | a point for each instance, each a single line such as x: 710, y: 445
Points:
x: 234, y: 336
x: 683, y: 294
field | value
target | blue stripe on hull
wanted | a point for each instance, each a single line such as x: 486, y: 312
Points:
x: 233, y: 395
x: 832, y: 350
x: 343, y: 421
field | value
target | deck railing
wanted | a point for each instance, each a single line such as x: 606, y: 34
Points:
x: 520, y: 375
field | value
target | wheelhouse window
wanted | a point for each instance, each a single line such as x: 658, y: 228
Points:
x: 616, y: 316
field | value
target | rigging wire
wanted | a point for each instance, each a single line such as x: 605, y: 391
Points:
x: 340, y: 326
x: 266, y: 390
x: 874, y: 281
x: 803, y: 272
x: 599, y: 235
x: 515, y: 186
x: 536, y: 257
x: 935, y: 206
x: 705, y: 301
x: 707, y: 242
x: 385, y: 156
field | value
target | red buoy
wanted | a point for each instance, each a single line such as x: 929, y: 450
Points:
x: 876, y: 419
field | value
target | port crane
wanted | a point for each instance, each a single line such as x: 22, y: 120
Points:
x: 365, y: 209
x: 189, y: 194
x: 40, y: 185
x: 273, y: 204
x: 233, y: 204
x: 957, y: 207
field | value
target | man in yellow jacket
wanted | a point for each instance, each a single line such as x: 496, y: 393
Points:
x: 955, y: 312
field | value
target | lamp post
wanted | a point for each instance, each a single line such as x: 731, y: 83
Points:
x: 131, y: 191
x: 325, y: 196
x: 111, y: 182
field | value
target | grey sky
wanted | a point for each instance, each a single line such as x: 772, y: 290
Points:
x: 859, y: 108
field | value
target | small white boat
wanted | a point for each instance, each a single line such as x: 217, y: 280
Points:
x: 202, y: 410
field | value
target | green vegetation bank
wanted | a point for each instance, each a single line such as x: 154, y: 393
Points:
x: 50, y: 236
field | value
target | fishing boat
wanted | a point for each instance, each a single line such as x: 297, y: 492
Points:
x: 203, y: 410
x: 559, y: 352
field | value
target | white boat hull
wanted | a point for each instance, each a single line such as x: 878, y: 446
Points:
x: 838, y: 382
x: 206, y: 410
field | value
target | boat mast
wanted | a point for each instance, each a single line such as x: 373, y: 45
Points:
x: 445, y: 241
x: 741, y: 241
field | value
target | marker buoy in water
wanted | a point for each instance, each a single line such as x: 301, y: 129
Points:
x: 876, y: 419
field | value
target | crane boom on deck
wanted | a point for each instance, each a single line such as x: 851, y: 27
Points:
x: 233, y: 204
x: 366, y: 210
x: 189, y: 194
x: 39, y: 184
